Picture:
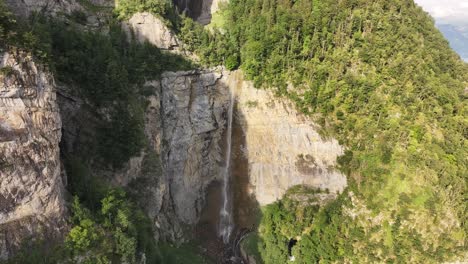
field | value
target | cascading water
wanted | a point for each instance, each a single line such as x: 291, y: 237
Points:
x: 226, y: 224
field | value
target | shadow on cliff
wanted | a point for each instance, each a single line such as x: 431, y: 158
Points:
x: 246, y: 209
x: 247, y: 212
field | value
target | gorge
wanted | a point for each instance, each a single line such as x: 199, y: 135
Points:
x: 139, y: 132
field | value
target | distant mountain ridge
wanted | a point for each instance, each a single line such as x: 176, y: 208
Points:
x: 457, y: 37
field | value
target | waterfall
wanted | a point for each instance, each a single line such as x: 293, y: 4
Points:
x: 226, y: 224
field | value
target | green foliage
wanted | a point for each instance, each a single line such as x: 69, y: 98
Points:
x: 126, y: 8
x: 123, y: 136
x: 101, y: 236
x: 19, y: 35
x: 90, y: 6
x: 89, y: 189
x: 328, y: 240
x: 37, y: 252
x: 7, y: 24
x: 214, y: 47
x: 284, y: 220
x: 251, y: 246
x: 118, y: 233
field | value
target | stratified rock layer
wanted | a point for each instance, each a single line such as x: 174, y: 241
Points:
x: 31, y: 189
x: 282, y: 146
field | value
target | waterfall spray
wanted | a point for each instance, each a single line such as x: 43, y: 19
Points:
x: 226, y: 220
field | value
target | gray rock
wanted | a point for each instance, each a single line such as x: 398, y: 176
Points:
x: 31, y: 189
x: 147, y: 27
x: 193, y: 107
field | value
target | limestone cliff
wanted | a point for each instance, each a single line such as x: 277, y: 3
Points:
x: 194, y: 115
x: 31, y: 189
x: 26, y: 7
x: 147, y: 27
x: 282, y: 146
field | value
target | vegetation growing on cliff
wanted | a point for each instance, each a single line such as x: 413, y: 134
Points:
x: 378, y: 76
x: 107, y: 71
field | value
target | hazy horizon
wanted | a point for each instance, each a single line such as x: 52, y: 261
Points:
x: 451, y: 18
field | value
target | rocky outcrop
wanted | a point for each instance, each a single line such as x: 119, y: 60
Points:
x: 194, y: 117
x: 147, y: 27
x: 282, y: 146
x: 26, y: 7
x: 31, y: 189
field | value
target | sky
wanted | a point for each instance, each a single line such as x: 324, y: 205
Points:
x: 453, y: 12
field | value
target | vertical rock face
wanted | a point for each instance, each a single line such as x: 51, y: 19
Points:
x: 147, y: 27
x: 31, y: 189
x: 282, y: 146
x: 208, y: 8
x: 199, y: 10
x: 193, y: 114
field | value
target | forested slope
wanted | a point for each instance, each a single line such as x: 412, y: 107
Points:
x: 382, y: 79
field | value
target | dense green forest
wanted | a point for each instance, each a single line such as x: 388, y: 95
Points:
x: 381, y: 78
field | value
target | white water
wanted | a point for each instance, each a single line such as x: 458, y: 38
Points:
x: 226, y: 221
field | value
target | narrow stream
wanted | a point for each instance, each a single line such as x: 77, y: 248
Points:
x: 226, y: 224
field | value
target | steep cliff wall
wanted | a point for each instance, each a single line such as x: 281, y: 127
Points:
x: 184, y: 126
x: 281, y: 145
x: 193, y: 116
x: 147, y: 27
x: 31, y: 189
